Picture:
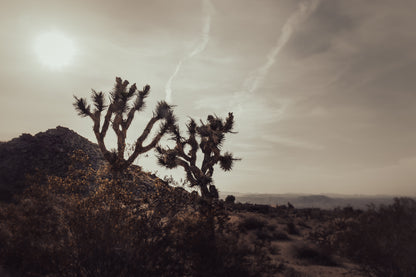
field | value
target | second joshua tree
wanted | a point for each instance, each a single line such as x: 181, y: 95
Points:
x: 120, y: 113
x: 211, y: 136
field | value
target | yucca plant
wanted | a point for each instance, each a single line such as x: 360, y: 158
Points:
x: 207, y: 137
x: 124, y: 103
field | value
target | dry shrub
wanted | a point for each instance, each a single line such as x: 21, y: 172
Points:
x: 281, y: 236
x: 382, y: 239
x: 89, y: 224
x: 292, y: 229
x: 252, y: 223
x: 289, y: 271
x: 313, y: 255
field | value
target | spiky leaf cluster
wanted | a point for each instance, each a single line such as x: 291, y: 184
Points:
x: 98, y: 99
x: 207, y: 137
x: 82, y: 107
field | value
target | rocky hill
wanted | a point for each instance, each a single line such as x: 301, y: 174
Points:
x: 46, y: 151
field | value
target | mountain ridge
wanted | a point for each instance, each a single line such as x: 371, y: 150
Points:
x: 322, y: 201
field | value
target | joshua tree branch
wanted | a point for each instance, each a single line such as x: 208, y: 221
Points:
x: 153, y: 143
x: 190, y: 171
x: 120, y: 116
x: 101, y: 144
x: 213, y: 159
x: 205, y: 162
x: 194, y: 149
x: 130, y: 118
x: 211, y: 136
x: 96, y: 119
x: 139, y: 148
x: 107, y: 120
x: 179, y: 147
x: 146, y: 131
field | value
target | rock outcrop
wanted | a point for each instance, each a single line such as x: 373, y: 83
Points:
x: 46, y: 152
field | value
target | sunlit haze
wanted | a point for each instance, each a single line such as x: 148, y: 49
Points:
x: 323, y: 92
x: 54, y: 49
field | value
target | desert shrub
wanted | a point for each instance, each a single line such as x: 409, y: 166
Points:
x: 252, y: 223
x: 230, y: 199
x: 264, y: 234
x: 88, y: 224
x: 274, y: 249
x: 269, y: 232
x: 292, y: 229
x: 289, y: 271
x: 280, y: 235
x: 382, y: 239
x: 225, y: 254
x: 313, y: 255
x: 304, y: 225
x: 53, y: 231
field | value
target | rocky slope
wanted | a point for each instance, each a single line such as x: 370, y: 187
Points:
x: 46, y: 151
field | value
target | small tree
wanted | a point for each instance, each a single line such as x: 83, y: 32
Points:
x: 124, y: 103
x: 211, y: 137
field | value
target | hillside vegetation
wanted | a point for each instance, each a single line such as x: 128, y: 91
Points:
x: 89, y: 224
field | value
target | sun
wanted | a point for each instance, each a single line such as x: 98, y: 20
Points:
x: 54, y: 49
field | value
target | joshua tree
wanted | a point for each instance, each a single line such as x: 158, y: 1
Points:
x: 211, y: 136
x: 124, y: 103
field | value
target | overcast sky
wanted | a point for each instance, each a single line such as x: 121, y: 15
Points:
x: 323, y: 92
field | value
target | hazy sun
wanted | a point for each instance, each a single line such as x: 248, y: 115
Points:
x: 54, y: 49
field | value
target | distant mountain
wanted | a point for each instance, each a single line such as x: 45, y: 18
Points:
x: 47, y: 151
x: 311, y: 201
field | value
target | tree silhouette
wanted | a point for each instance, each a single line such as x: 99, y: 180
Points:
x: 124, y: 103
x: 211, y: 136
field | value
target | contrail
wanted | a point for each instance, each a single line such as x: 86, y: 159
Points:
x: 207, y: 9
x: 255, y: 79
x: 168, y: 88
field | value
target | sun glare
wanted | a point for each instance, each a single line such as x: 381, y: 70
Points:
x: 54, y: 49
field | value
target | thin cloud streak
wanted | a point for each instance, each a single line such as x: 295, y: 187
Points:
x: 207, y: 9
x: 290, y: 142
x: 246, y: 107
x: 256, y: 78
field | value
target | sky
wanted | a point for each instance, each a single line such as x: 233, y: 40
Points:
x: 323, y: 92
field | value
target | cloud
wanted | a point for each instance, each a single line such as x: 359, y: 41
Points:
x: 256, y: 111
x: 290, y: 142
x: 168, y: 87
x: 252, y: 109
x: 207, y: 9
x: 256, y: 78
